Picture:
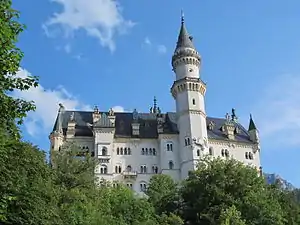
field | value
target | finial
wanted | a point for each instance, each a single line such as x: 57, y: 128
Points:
x: 182, y: 17
x: 250, y: 116
x: 61, y: 107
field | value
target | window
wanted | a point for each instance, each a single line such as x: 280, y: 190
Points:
x: 146, y: 151
x: 154, y: 151
x: 187, y: 141
x: 118, y: 169
x: 143, y: 186
x: 210, y: 151
x: 118, y: 151
x: 226, y: 153
x: 154, y: 169
x: 171, y: 165
x: 143, y: 151
x: 150, y: 151
x: 194, y: 101
x: 121, y: 151
x: 223, y: 152
x: 129, y: 185
x: 103, y: 169
x: 170, y: 147
x: 247, y: 155
x: 143, y: 169
x: 129, y: 168
x: 198, y: 152
x: 104, y: 151
x: 125, y: 151
x: 129, y: 151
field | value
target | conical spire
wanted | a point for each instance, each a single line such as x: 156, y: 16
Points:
x: 251, y: 124
x: 184, y: 39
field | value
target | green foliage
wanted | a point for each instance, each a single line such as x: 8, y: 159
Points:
x: 231, y: 216
x: 163, y: 194
x: 10, y: 56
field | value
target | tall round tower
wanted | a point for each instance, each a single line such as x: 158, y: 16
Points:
x: 188, y: 91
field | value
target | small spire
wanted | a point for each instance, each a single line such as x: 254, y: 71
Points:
x: 251, y: 124
x: 182, y: 17
x: 154, y: 104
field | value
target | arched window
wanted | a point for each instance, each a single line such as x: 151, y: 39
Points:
x: 194, y: 101
x: 171, y: 147
x: 188, y: 141
x: 143, y: 151
x: 116, y: 169
x: 104, y: 151
x: 154, y: 151
x: 143, y: 169
x: 210, y: 151
x: 223, y: 152
x: 121, y: 151
x: 156, y: 170
x: 146, y: 151
x: 150, y: 151
x: 251, y: 155
x: 226, y: 153
x: 168, y: 147
x: 103, y: 169
x: 118, y: 151
x: 129, y: 168
x: 198, y: 152
x: 143, y: 186
x: 185, y: 142
x: 171, y: 165
x: 246, y: 155
x: 120, y: 169
x: 129, y: 151
x: 125, y: 151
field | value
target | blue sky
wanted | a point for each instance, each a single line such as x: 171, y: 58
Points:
x: 89, y: 52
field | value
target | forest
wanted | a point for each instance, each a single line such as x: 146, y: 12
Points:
x: 35, y: 192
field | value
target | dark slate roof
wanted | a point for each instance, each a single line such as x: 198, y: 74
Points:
x: 148, y: 125
x: 184, y: 39
x: 251, y: 124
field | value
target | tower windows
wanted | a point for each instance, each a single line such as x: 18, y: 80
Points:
x: 194, y: 101
x: 249, y: 155
x: 225, y: 153
x: 150, y: 151
x: 129, y: 185
x: 198, y: 152
x: 170, y: 147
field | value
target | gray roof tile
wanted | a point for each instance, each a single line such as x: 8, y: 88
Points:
x: 148, y: 125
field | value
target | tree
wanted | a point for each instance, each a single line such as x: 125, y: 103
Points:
x: 220, y: 184
x: 231, y: 216
x: 10, y: 57
x: 26, y: 191
x: 163, y: 194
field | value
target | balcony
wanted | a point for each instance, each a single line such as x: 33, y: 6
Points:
x: 129, y: 174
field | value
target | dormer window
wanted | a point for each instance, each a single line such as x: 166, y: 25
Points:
x: 211, y: 125
x: 237, y: 130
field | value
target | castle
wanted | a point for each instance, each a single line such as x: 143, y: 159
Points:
x: 132, y: 146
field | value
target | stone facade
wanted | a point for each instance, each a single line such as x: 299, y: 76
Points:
x: 132, y: 146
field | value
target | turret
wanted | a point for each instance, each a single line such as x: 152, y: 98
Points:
x: 253, y: 132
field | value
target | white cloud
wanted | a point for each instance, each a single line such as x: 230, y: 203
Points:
x: 161, y: 49
x: 67, y: 48
x: 42, y: 120
x: 101, y: 19
x: 278, y: 111
x: 118, y: 108
x: 147, y: 41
